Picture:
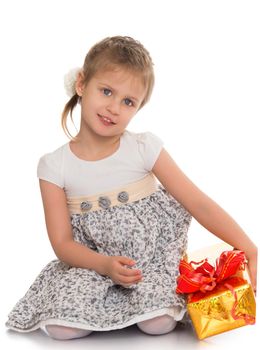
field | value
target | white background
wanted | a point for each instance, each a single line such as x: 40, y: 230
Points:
x: 205, y: 107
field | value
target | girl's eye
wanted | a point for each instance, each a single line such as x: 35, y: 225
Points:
x: 128, y: 102
x: 107, y: 92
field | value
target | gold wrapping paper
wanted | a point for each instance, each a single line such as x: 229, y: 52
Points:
x: 211, y: 313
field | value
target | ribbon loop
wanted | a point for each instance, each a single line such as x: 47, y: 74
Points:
x: 205, y: 277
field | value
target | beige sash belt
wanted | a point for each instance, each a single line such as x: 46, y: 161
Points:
x: 126, y: 194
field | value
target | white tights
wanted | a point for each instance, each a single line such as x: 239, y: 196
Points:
x: 158, y: 325
x: 155, y: 326
x: 65, y: 333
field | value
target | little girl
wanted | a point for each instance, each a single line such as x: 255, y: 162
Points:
x: 117, y: 211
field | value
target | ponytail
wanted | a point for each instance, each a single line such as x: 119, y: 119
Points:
x: 68, y: 109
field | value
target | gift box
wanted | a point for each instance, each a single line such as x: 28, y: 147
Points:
x: 219, y: 298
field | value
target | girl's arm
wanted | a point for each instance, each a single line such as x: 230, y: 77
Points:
x: 59, y: 230
x: 208, y: 213
x: 73, y: 253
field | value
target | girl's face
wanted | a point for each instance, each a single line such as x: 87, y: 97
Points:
x: 110, y: 100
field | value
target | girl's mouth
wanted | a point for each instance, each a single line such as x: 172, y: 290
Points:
x: 106, y: 120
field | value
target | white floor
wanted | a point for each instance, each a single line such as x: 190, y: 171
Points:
x: 132, y: 338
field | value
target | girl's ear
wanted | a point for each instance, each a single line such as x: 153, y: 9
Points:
x: 79, y: 84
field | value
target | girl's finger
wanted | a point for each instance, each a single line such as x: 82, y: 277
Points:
x: 130, y: 280
x: 126, y: 261
x: 124, y: 271
x: 252, y: 275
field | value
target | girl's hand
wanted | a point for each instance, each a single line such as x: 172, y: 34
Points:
x: 117, y: 270
x: 252, y: 267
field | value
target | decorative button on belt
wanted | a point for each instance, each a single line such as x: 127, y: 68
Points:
x: 123, y: 197
x: 104, y: 202
x: 85, y: 206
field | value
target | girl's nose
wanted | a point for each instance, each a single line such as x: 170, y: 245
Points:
x: 113, y: 107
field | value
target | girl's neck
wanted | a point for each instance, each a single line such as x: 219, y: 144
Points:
x: 94, y: 147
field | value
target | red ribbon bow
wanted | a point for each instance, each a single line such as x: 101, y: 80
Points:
x: 205, y: 277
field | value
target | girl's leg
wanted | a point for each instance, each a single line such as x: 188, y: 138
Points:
x: 65, y: 333
x: 158, y: 325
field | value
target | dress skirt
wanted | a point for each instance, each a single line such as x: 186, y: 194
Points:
x: 141, y: 221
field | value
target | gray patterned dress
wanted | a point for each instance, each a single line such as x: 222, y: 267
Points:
x: 152, y: 231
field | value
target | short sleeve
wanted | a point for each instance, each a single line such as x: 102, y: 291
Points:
x: 50, y: 168
x: 150, y: 147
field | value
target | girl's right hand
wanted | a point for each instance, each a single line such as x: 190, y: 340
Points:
x: 117, y: 269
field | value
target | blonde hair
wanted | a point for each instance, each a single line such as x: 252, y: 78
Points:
x: 111, y: 52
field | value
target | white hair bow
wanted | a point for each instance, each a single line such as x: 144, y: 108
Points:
x: 70, y: 80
